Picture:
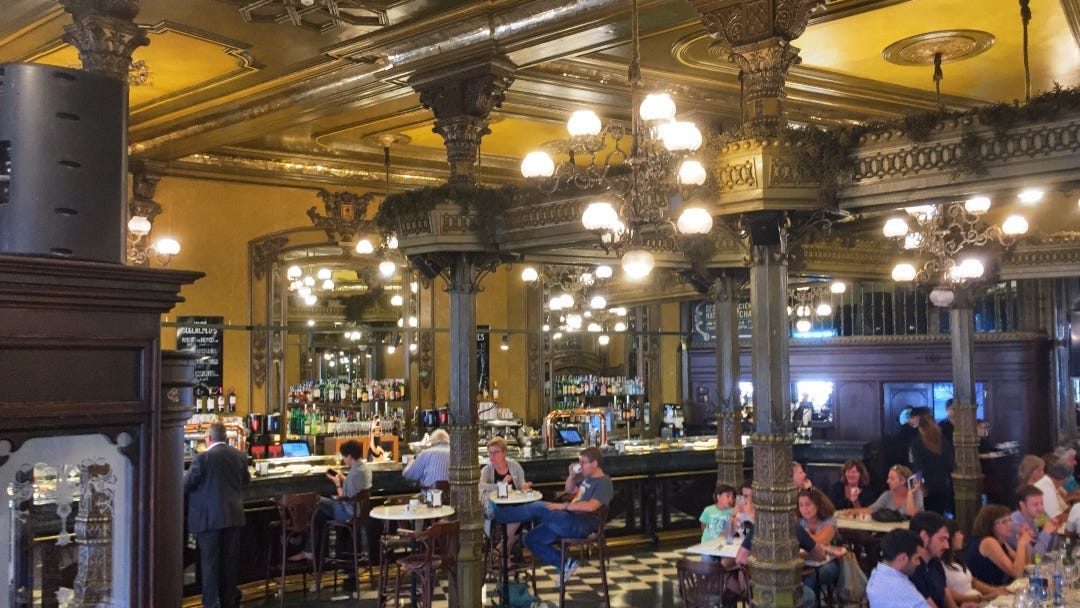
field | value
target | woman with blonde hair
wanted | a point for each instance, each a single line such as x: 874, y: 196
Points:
x: 500, y: 468
x: 901, y: 498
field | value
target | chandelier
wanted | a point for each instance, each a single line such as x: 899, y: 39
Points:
x: 576, y: 301
x: 640, y: 173
x: 809, y: 302
x: 140, y: 250
x: 950, y: 243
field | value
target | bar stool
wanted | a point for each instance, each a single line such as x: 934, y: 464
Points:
x: 597, y: 540
x: 438, y: 554
x: 706, y: 584
x: 296, y: 514
x: 356, y: 529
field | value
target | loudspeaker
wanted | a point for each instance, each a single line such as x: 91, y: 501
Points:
x: 765, y: 232
x: 695, y: 280
x: 63, y: 163
x: 428, y: 266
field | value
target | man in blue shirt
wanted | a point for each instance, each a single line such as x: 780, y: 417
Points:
x: 929, y: 576
x: 1030, y: 513
x: 433, y: 464
x: 889, y: 585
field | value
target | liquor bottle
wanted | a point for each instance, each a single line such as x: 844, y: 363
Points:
x: 232, y: 400
x: 200, y: 393
x: 495, y: 390
x: 220, y: 401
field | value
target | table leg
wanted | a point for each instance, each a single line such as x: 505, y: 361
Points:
x: 505, y: 599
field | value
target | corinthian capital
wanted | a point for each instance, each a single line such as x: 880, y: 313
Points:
x: 105, y: 34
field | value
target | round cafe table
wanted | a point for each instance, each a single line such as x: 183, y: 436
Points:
x: 420, y: 512
x: 514, y: 497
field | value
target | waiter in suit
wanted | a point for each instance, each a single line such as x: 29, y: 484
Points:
x: 214, y: 486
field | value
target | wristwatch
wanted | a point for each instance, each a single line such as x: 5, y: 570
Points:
x: 565, y: 506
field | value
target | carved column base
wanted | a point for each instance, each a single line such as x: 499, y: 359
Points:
x: 775, y: 565
x: 465, y: 498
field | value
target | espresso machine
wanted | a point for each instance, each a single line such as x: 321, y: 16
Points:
x: 673, y: 423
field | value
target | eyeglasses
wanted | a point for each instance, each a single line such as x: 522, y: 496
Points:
x: 1004, y: 520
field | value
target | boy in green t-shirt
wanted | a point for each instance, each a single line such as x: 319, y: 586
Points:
x: 714, y: 519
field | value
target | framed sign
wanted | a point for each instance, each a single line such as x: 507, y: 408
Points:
x: 203, y: 336
x: 703, y: 320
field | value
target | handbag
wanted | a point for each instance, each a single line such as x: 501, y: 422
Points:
x: 887, y: 515
x: 851, y: 587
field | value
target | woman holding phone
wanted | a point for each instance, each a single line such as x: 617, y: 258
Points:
x: 904, y: 495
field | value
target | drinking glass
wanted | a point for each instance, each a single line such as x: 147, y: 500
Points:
x: 1071, y: 574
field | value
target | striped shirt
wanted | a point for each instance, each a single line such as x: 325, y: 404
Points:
x: 431, y: 465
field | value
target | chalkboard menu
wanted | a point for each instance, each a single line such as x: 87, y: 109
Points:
x: 203, y: 336
x: 483, y: 356
x: 703, y: 320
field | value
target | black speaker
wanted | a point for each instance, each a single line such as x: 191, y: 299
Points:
x: 428, y: 266
x: 63, y: 163
x: 765, y: 231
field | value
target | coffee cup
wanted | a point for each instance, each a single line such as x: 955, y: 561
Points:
x: 413, y: 505
x: 577, y: 469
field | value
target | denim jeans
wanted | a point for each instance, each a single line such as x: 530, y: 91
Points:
x: 549, y: 527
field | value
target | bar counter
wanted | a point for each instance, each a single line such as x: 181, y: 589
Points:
x: 659, y: 493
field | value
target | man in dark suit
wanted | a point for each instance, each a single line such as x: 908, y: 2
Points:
x: 214, y: 485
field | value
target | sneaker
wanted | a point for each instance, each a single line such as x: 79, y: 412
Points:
x: 568, y: 570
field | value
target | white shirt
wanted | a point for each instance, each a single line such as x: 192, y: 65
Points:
x: 1051, y: 499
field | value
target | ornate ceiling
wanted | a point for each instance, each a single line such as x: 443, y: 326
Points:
x: 286, y: 92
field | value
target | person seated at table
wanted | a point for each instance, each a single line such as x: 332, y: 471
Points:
x: 1051, y: 486
x: 900, y: 498
x: 1030, y: 470
x: 889, y: 585
x: 591, y: 489
x: 744, y: 504
x: 989, y: 557
x: 1031, y: 515
x: 799, y: 477
x: 346, y: 486
x: 816, y: 516
x: 929, y: 576
x: 717, y: 517
x: 962, y: 586
x: 826, y: 574
x: 500, y: 468
x: 852, y: 490
x: 433, y: 464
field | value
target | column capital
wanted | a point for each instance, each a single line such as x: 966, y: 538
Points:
x: 105, y: 34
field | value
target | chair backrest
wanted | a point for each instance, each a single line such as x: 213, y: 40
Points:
x: 360, y: 504
x: 701, y: 583
x: 297, y: 511
x: 442, y: 541
x: 444, y: 485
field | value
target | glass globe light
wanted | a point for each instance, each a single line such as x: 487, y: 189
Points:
x: 364, y: 247
x: 387, y: 268
x: 401, y: 322
x: 309, y: 281
x: 802, y: 310
x: 311, y: 322
x: 167, y: 246
x: 970, y: 268
x: 694, y: 220
x: 637, y: 263
x: 414, y: 322
x: 293, y: 273
x: 977, y: 205
x: 895, y: 228
x: 545, y: 327
x: 619, y: 311
x: 557, y: 335
x: 391, y: 242
x: 537, y: 164
x: 681, y: 137
x: 390, y: 349
x: 555, y: 303
x: 599, y: 216
x: 1030, y: 196
x: 657, y: 107
x: 598, y: 302
x: 323, y: 274
x: 691, y: 173
x: 413, y: 347
x: 803, y: 325
x: 1014, y: 225
x: 139, y: 225
x: 397, y: 300
x: 310, y: 299
x: 583, y: 123
x: 573, y: 321
x: 304, y: 291
x: 824, y: 309
x: 620, y: 326
x: 603, y: 271
x: 603, y: 339
x: 529, y: 274
x: 586, y: 278
x: 903, y: 272
x: 942, y: 297
x: 567, y: 300
x: 838, y: 287
x: 593, y: 327
x: 328, y: 284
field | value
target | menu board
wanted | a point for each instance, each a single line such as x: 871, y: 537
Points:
x: 203, y: 336
x: 703, y: 320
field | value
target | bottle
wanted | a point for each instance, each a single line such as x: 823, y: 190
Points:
x: 220, y: 401
x: 232, y: 400
x: 199, y: 393
x: 495, y: 390
x: 1038, y: 582
x: 1059, y: 586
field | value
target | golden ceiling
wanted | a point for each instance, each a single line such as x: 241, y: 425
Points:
x: 308, y: 104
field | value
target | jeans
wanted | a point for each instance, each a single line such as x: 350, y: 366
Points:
x: 550, y: 527
x: 328, y: 510
x: 827, y: 575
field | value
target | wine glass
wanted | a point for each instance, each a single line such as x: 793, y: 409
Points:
x: 1071, y: 574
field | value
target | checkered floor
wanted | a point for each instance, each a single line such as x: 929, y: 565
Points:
x: 635, y: 580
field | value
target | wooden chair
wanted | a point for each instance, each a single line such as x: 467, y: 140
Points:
x: 438, y: 550
x: 296, y: 515
x: 392, y: 545
x: 355, y: 529
x: 708, y: 584
x: 597, y: 540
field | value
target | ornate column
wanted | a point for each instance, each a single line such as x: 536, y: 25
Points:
x: 774, y: 561
x: 461, y: 102
x: 758, y: 35
x: 105, y: 33
x: 729, y: 449
x: 144, y: 180
x: 535, y: 357
x: 968, y: 473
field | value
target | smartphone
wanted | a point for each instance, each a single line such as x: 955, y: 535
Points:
x: 331, y: 472
x: 911, y: 481
x: 740, y: 500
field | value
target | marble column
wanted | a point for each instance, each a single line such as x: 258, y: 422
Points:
x: 774, y: 561
x: 724, y: 293
x: 968, y: 473
x: 105, y: 34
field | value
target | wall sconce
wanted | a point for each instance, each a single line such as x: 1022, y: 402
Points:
x: 505, y: 343
x: 140, y: 250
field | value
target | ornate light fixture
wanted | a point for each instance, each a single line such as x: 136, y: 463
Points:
x: 640, y: 183
x: 946, y: 241
x: 809, y: 302
x: 576, y: 301
x: 140, y: 250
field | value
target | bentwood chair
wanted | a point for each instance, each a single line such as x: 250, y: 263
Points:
x: 296, y: 514
x: 355, y: 530
x: 708, y: 584
x: 392, y: 545
x: 436, y: 555
x: 597, y: 540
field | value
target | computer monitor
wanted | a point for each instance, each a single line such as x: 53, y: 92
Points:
x: 570, y: 437
x: 295, y: 448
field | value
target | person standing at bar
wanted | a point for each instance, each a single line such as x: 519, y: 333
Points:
x: 214, y: 485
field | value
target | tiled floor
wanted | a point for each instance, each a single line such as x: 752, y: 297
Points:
x: 635, y: 580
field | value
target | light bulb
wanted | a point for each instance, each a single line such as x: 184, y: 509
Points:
x: 390, y: 349
x: 413, y: 347
x: 603, y: 339
x: 903, y: 272
x: 303, y: 291
x: 681, y: 137
x: 391, y: 242
x: 567, y: 300
x: 583, y: 123
x: 537, y: 164
x: 803, y: 325
x: 603, y: 271
x: 529, y: 274
x: 364, y: 247
x: 691, y: 173
x: 620, y: 326
x: 167, y: 246
x: 824, y: 309
x: 970, y: 268
x: 309, y: 281
x: 1014, y: 225
x: 838, y: 287
x: 311, y: 322
x: 694, y: 220
x: 293, y: 273
x: 599, y: 216
x: 598, y: 302
x: 327, y: 285
x: 387, y: 268
x: 657, y: 107
x: 414, y: 322
x: 977, y: 205
x: 1030, y: 196
x: 397, y: 300
x: 310, y: 299
x: 637, y: 263
x: 139, y: 225
x: 895, y: 227
x: 593, y: 327
x: 324, y: 274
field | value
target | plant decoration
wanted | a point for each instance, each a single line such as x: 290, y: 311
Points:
x: 485, y: 204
